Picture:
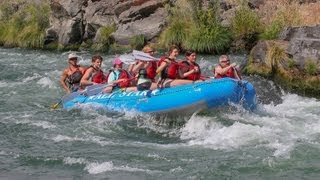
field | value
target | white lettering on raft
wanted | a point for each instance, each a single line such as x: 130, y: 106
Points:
x: 124, y: 94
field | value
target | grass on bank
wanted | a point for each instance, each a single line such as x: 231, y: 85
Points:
x: 24, y: 27
x: 192, y: 27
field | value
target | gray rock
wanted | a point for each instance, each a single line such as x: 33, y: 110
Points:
x: 304, y: 43
x: 76, y: 21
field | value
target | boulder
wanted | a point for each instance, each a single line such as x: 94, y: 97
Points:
x: 304, y: 43
x: 148, y: 19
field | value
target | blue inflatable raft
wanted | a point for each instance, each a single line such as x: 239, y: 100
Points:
x: 193, y: 97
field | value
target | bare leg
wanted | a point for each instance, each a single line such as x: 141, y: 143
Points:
x: 107, y: 90
x: 176, y: 82
x: 130, y: 89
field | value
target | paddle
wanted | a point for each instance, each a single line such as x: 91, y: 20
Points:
x: 66, y: 98
x: 96, y: 89
x: 127, y: 58
x: 143, y: 56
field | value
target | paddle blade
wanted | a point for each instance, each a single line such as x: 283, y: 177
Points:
x: 70, y: 96
x: 143, y: 56
x: 54, y: 106
x: 96, y: 89
x: 127, y: 58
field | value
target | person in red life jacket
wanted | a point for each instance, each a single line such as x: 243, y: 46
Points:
x: 225, y: 69
x: 119, y: 77
x: 94, y: 75
x: 189, y: 68
x: 71, y: 76
x: 168, y: 68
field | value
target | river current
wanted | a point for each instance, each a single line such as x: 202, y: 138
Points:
x: 280, y: 140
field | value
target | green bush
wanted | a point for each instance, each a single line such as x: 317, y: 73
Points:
x: 138, y: 41
x: 208, y: 36
x: 286, y: 15
x: 310, y: 67
x: 24, y: 27
x: 175, y: 33
x: 105, y: 40
x: 245, y: 23
x: 192, y: 27
x: 272, y: 31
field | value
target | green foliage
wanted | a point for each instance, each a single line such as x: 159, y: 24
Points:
x: 272, y: 31
x: 310, y: 67
x: 176, y: 33
x: 24, y: 27
x: 105, y: 39
x: 138, y: 41
x: 195, y: 28
x: 105, y: 33
x: 245, y: 23
x: 291, y: 63
x: 286, y: 15
x: 208, y: 35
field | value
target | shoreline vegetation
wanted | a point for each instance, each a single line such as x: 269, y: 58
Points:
x: 190, y: 25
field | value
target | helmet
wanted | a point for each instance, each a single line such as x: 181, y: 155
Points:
x: 117, y: 61
x: 72, y: 55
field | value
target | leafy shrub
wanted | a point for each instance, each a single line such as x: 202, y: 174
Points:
x: 286, y: 14
x: 208, y: 35
x: 310, y: 67
x: 105, y: 39
x: 26, y: 26
x: 138, y: 41
x: 245, y: 23
x: 195, y: 28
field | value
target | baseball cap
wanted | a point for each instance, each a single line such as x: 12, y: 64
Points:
x: 72, y: 55
x: 117, y: 61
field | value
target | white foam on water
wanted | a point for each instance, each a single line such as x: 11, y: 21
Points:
x: 71, y: 161
x: 87, y: 138
x: 47, y: 82
x: 60, y: 138
x: 3, y: 84
x: 31, y: 78
x: 177, y: 169
x: 157, y: 157
x: 42, y: 124
x: 97, y: 168
x: 279, y: 128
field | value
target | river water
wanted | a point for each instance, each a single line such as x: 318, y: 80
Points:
x: 280, y: 140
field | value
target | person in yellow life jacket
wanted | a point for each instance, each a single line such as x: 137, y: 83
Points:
x: 189, y: 68
x: 119, y: 77
x: 168, y: 69
x: 225, y: 69
x: 93, y: 74
x: 71, y: 76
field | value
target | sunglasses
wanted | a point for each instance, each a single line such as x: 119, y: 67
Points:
x: 150, y: 51
x: 225, y: 61
x: 73, y: 59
